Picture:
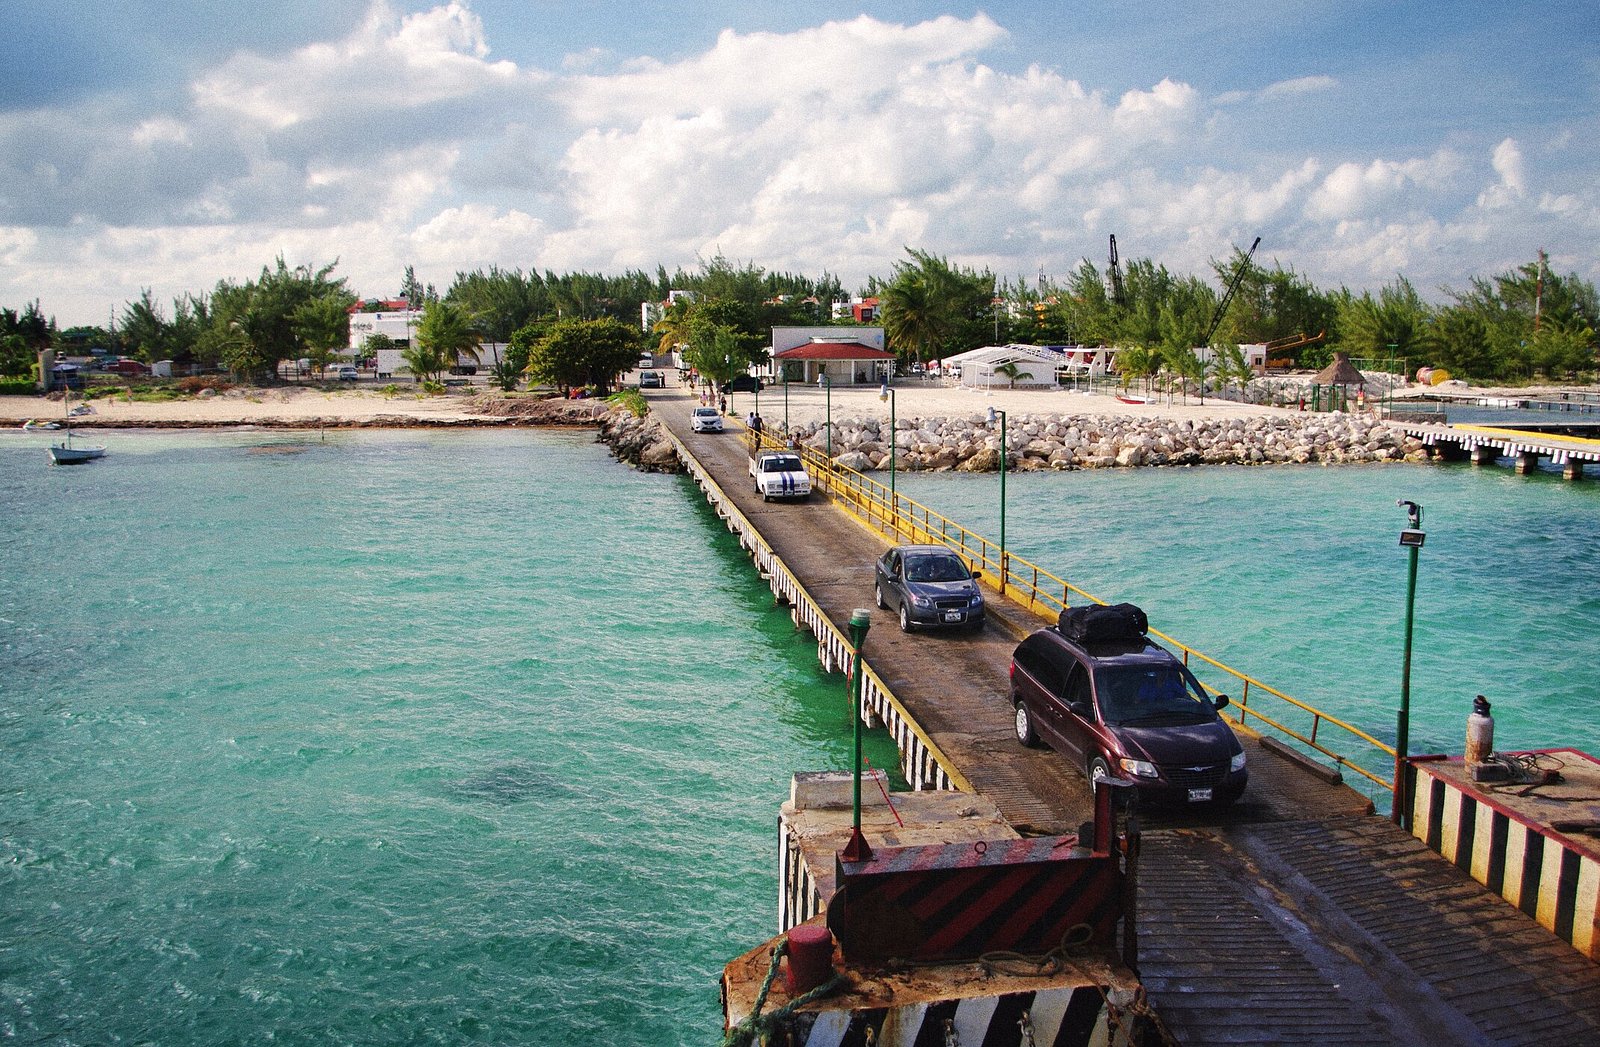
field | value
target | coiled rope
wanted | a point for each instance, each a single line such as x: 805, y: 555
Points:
x: 757, y: 1027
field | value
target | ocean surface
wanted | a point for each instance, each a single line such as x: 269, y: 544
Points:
x: 479, y: 737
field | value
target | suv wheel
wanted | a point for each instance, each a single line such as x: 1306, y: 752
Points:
x: 877, y: 594
x: 1025, y: 732
x: 905, y: 618
x: 1098, y: 769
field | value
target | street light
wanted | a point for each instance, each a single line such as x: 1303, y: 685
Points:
x: 1411, y: 538
x: 827, y: 383
x: 1002, y: 416
x: 786, y: 402
x: 886, y: 393
x: 857, y: 850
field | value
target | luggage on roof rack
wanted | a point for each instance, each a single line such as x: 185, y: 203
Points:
x: 1097, y: 622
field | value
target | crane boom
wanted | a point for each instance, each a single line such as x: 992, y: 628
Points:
x: 1222, y: 306
x: 1118, y: 294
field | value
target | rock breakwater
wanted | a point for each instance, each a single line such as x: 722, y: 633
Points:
x: 640, y: 441
x: 1056, y: 441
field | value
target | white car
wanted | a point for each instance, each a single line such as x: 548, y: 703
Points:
x: 779, y: 474
x: 706, y: 420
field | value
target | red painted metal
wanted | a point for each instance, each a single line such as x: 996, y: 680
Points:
x: 959, y: 901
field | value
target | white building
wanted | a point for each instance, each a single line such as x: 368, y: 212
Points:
x: 397, y: 324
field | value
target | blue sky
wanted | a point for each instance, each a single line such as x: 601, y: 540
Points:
x: 167, y: 145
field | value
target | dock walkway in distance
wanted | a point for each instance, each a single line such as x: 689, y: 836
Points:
x: 1295, y: 917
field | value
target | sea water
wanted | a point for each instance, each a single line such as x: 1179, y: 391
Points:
x: 391, y: 738
x: 455, y: 737
x: 1295, y: 576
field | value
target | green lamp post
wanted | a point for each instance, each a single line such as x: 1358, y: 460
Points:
x: 857, y: 849
x: 1411, y: 538
x: 827, y: 384
x: 993, y: 414
x: 887, y: 393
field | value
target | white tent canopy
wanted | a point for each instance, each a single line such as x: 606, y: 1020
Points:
x: 976, y: 367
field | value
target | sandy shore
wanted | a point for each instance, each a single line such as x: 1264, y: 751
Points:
x: 299, y: 406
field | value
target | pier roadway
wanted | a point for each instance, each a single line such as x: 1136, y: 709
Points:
x: 1295, y: 917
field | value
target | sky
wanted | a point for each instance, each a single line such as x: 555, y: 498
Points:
x: 169, y: 145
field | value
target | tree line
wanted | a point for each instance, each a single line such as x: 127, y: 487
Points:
x: 571, y: 329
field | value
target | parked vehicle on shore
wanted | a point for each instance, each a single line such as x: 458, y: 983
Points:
x: 1117, y: 704
x: 929, y: 586
x: 780, y: 474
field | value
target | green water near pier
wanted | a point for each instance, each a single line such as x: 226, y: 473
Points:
x: 457, y: 737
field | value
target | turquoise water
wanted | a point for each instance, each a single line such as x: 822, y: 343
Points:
x: 1295, y: 575
x: 479, y: 737
x: 393, y: 738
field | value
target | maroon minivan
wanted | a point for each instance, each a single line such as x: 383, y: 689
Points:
x: 1127, y: 708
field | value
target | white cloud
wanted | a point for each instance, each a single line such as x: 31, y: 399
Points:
x: 1513, y: 184
x: 833, y: 147
x: 1352, y: 190
x: 1302, y: 85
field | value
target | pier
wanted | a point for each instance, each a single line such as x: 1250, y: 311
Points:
x: 1571, y: 447
x: 1296, y: 916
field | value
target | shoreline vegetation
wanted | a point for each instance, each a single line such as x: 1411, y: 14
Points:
x: 939, y: 427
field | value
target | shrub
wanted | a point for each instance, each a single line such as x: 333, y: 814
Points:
x: 18, y: 387
x: 196, y: 383
x: 631, y: 399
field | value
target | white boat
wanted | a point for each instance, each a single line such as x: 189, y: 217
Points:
x: 64, y: 453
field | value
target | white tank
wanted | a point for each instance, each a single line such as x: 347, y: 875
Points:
x: 1480, y: 732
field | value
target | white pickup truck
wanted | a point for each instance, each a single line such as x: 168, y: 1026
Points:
x: 779, y: 474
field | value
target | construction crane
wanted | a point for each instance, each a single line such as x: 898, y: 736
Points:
x: 1222, y: 306
x: 1119, y: 295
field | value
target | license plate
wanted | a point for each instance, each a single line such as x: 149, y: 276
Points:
x: 952, y: 616
x: 1199, y: 795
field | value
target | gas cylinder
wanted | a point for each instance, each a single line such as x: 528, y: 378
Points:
x: 1480, y: 732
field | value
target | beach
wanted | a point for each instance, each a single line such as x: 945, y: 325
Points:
x: 302, y: 406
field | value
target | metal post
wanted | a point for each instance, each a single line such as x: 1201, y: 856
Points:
x: 1412, y: 537
x: 857, y: 849
x: 827, y: 384
x: 894, y: 502
x: 993, y: 414
x: 786, y: 402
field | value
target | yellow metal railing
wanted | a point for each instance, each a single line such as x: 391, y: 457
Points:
x: 902, y: 519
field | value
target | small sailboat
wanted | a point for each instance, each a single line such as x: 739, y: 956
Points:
x: 64, y: 453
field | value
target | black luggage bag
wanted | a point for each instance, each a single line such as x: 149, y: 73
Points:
x: 1098, y: 622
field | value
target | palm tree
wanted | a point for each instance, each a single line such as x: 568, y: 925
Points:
x: 443, y: 336
x: 1010, y: 370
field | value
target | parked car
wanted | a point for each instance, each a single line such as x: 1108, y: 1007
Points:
x: 651, y: 380
x: 1125, y: 707
x: 929, y: 586
x: 127, y: 367
x: 706, y: 420
x: 346, y: 373
x: 780, y: 474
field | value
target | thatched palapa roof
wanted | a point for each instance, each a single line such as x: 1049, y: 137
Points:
x: 1340, y: 372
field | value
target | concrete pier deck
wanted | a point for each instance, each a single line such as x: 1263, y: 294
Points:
x: 1297, y: 916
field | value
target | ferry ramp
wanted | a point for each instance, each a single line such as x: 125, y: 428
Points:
x: 1296, y: 916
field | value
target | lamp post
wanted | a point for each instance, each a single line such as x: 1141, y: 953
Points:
x: 857, y: 850
x: 993, y: 414
x: 827, y: 383
x: 786, y: 403
x: 1412, y: 538
x: 886, y: 393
